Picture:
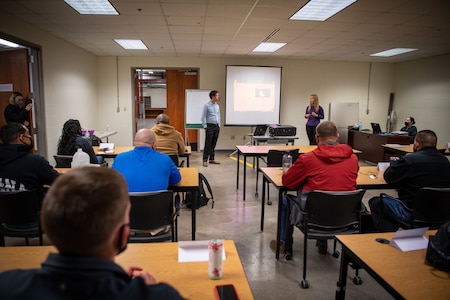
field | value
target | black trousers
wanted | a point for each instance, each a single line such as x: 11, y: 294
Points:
x: 212, y: 135
x: 311, y: 132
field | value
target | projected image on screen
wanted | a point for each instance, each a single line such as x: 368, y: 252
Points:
x: 252, y: 95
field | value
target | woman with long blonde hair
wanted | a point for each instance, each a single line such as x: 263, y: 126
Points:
x: 314, y: 113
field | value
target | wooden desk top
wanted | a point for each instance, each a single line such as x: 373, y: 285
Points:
x: 264, y: 149
x: 406, y: 272
x: 189, y: 176
x: 159, y: 259
x: 363, y: 180
x: 121, y: 149
x: 409, y: 148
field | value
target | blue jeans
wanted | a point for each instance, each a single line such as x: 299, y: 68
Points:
x: 386, y: 214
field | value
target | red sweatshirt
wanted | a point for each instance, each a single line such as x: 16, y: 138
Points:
x: 329, y: 167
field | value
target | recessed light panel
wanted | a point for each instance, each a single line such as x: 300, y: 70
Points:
x: 320, y: 10
x: 131, y: 44
x: 92, y: 7
x: 268, y: 47
x: 394, y: 51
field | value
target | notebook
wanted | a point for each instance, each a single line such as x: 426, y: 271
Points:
x: 260, y: 130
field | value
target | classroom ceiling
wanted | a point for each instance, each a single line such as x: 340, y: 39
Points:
x: 233, y: 28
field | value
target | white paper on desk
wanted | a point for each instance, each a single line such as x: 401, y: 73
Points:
x: 106, y: 147
x: 411, y: 239
x: 191, y: 251
x: 394, y: 145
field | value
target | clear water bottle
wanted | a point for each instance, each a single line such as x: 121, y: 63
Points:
x: 80, y: 159
x: 287, y: 161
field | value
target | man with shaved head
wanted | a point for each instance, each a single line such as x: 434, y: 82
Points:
x: 144, y: 168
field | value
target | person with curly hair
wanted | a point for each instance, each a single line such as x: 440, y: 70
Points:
x: 71, y: 139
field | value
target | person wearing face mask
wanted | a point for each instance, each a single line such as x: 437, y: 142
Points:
x: 87, y: 239
x: 18, y: 109
x: 145, y: 169
x: 20, y: 169
x: 410, y: 128
x: 426, y: 167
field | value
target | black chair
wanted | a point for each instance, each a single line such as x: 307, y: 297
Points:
x: 150, y: 211
x: 431, y: 208
x: 275, y: 159
x: 328, y: 214
x: 19, y: 215
x: 175, y: 160
x: 63, y: 161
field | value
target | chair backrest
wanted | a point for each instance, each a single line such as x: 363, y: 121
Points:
x: 63, y: 161
x: 334, y: 211
x: 174, y: 158
x: 151, y: 210
x: 275, y: 157
x: 19, y: 207
x: 431, y: 207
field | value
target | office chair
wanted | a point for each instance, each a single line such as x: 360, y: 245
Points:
x: 63, y: 161
x: 150, y: 211
x: 326, y: 215
x: 175, y: 160
x: 275, y: 159
x: 431, y: 208
x: 19, y: 215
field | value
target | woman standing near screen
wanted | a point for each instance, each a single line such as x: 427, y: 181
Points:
x: 314, y: 113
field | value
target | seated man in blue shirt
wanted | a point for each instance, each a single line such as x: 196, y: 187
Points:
x: 145, y: 169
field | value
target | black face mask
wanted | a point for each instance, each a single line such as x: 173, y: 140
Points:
x: 120, y: 247
x: 406, y: 123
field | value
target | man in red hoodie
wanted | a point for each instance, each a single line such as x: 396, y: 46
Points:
x: 329, y: 167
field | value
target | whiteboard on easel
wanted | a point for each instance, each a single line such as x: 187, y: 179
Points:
x: 195, y: 99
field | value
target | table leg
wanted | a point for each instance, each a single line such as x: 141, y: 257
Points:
x: 257, y: 174
x: 194, y: 210
x: 237, y: 168
x: 280, y: 195
x: 263, y: 196
x: 187, y: 160
x: 342, y: 282
x: 245, y: 173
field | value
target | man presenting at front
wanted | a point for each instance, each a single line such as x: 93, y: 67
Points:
x: 211, y: 123
x: 329, y: 167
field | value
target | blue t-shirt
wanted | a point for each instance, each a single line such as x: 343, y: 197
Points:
x: 146, y: 170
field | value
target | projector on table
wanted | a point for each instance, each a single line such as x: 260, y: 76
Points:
x: 282, y: 130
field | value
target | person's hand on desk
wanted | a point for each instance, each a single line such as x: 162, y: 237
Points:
x: 134, y: 272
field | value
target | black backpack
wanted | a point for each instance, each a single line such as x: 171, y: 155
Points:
x: 203, y: 198
x: 438, y: 251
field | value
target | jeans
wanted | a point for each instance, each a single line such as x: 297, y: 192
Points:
x: 386, y: 214
x: 286, y: 229
x: 212, y: 134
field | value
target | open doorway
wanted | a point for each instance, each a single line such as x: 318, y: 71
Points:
x: 163, y: 90
x: 21, y: 71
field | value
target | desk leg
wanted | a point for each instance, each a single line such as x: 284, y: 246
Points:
x: 245, y: 173
x: 257, y: 175
x: 341, y: 284
x: 237, y: 168
x: 280, y: 195
x: 187, y: 160
x: 263, y: 196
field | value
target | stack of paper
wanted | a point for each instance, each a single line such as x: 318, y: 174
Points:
x: 411, y: 239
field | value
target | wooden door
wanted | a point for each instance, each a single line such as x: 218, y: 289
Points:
x: 14, y: 70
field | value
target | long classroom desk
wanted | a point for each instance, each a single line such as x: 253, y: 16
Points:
x: 405, y: 275
x: 262, y: 151
x: 159, y: 259
x: 120, y: 149
x: 274, y: 175
x: 402, y: 150
x: 189, y: 183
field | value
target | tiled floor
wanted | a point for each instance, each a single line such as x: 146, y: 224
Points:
x: 232, y: 218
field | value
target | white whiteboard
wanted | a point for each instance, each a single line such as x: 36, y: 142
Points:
x: 195, y: 99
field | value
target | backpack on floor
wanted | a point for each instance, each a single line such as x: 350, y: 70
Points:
x: 203, y: 198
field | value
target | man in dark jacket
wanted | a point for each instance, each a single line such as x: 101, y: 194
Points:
x: 426, y: 167
x: 20, y: 169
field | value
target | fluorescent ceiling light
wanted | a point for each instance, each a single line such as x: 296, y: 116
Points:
x: 320, y: 10
x: 394, y: 51
x: 268, y: 47
x: 131, y: 44
x: 8, y: 43
x: 92, y: 7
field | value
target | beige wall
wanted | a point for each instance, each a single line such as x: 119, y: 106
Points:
x: 80, y: 85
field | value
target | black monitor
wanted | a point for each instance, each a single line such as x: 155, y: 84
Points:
x: 376, y: 129
x: 260, y: 130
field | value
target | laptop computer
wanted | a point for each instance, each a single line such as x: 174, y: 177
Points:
x: 260, y: 130
x: 376, y: 129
